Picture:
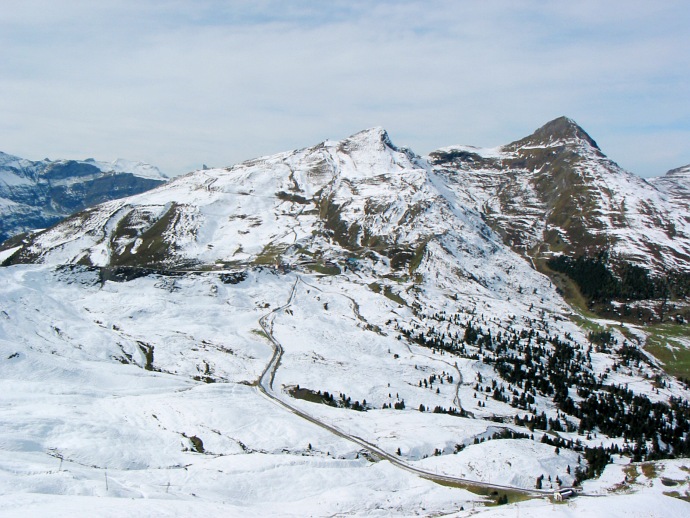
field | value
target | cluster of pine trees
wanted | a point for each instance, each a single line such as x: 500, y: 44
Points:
x: 602, y: 280
x: 533, y: 362
x: 326, y: 398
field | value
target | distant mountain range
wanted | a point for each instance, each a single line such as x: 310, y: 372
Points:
x: 35, y: 195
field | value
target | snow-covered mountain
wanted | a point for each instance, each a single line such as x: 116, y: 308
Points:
x: 332, y: 330
x: 555, y: 191
x: 360, y: 199
x: 36, y: 195
x: 676, y: 184
x: 551, y: 192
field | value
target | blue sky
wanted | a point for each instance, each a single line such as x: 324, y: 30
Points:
x: 179, y: 83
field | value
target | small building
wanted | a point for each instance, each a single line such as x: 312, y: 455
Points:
x: 563, y: 494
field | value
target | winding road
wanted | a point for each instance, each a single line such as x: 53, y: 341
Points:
x: 265, y: 387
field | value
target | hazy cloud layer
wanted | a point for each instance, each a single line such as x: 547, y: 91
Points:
x: 181, y: 83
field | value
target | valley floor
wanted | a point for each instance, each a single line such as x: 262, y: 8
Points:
x: 142, y: 398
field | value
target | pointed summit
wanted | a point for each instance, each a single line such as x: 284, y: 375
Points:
x: 562, y: 129
x: 375, y: 136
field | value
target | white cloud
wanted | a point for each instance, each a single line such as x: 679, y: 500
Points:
x: 181, y: 83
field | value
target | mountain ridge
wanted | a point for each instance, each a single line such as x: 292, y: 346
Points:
x: 553, y: 191
x: 560, y: 131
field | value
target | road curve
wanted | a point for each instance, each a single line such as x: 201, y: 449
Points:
x: 265, y: 387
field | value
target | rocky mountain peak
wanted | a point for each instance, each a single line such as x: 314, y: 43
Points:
x: 375, y: 138
x: 555, y: 191
x: 562, y: 130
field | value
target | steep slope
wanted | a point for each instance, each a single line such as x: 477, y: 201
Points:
x: 361, y: 198
x: 555, y: 191
x: 38, y: 194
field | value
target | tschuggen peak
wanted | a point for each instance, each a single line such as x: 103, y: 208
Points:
x: 556, y: 192
x: 560, y: 131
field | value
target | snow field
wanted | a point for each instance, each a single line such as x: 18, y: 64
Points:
x: 72, y: 417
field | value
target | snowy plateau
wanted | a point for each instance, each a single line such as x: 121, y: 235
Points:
x: 349, y: 329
